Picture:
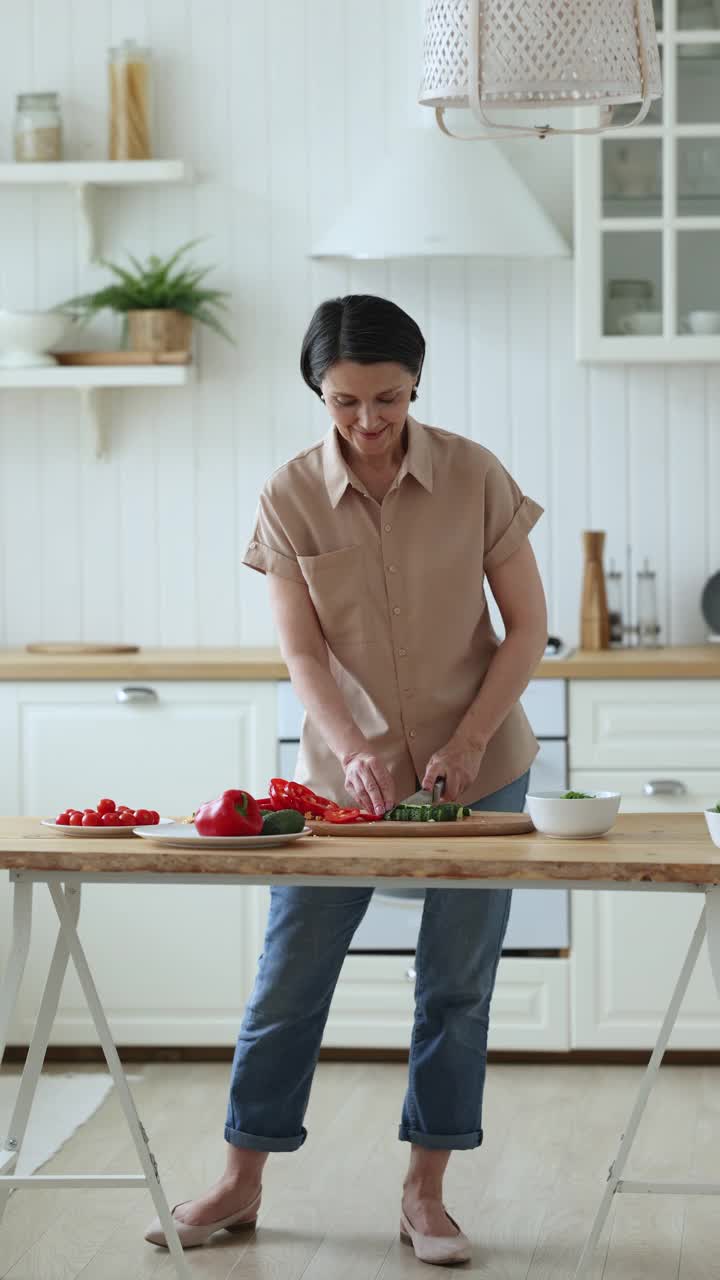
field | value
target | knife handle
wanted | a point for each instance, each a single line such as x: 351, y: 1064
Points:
x: 438, y: 789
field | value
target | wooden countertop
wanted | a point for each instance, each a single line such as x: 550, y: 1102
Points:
x: 641, y: 848
x: 698, y: 662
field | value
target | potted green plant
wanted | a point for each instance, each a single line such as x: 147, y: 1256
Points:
x: 158, y: 306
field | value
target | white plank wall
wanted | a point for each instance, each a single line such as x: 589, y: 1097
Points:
x: 282, y: 106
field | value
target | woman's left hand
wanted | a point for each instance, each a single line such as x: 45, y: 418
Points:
x: 459, y: 762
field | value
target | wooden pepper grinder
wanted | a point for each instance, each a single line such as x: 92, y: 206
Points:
x: 594, y: 619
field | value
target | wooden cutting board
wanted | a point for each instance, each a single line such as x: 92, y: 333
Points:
x: 63, y: 648
x: 122, y: 357
x: 481, y: 824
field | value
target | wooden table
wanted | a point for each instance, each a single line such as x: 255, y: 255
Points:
x: 662, y: 853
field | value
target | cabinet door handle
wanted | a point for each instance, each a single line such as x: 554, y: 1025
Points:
x: 135, y: 693
x: 664, y: 787
x: 411, y: 974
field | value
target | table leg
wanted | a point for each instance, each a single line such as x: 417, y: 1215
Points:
x: 19, y: 948
x: 712, y: 904
x: 41, y: 1033
x: 137, y: 1132
x: 616, y: 1168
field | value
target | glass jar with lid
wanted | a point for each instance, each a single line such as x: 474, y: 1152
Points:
x: 624, y: 298
x: 648, y: 627
x: 38, y: 128
x: 130, y: 108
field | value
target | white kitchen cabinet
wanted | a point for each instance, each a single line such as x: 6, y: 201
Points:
x: 372, y: 1006
x: 170, y: 745
x: 658, y: 744
x: 647, y: 209
x: 374, y: 1000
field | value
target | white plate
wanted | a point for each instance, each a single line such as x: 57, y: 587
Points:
x: 64, y: 830
x: 182, y: 834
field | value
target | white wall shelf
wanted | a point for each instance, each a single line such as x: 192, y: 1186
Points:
x: 90, y: 381
x: 85, y: 177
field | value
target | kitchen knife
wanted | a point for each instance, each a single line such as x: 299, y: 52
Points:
x: 425, y: 797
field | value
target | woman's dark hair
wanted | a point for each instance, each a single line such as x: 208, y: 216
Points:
x: 362, y: 328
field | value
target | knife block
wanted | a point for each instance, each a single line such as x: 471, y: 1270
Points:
x: 594, y: 618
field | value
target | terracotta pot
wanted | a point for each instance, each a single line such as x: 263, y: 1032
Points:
x: 159, y: 330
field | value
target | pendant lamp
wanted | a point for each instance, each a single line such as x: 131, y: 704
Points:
x: 519, y: 54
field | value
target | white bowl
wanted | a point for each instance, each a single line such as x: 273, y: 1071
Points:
x: 573, y: 819
x: 26, y: 336
x: 712, y: 817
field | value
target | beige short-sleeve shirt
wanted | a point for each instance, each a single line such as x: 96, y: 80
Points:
x: 398, y: 589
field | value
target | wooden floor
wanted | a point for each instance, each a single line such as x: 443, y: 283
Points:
x: 330, y: 1210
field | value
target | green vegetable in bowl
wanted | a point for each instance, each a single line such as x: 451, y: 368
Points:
x: 716, y: 809
x: 577, y: 795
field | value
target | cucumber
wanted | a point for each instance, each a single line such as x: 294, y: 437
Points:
x: 448, y: 812
x: 282, y: 822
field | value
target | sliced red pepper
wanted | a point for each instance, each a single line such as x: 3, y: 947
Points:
x: 292, y: 795
x: 344, y: 816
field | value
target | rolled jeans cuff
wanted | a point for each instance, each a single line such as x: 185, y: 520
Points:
x: 237, y: 1138
x: 441, y: 1141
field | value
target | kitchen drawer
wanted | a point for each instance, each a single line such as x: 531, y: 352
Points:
x: 174, y: 963
x: 674, y: 790
x: 374, y: 1000
x: 658, y: 725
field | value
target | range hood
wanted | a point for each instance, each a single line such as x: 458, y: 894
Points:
x: 434, y: 197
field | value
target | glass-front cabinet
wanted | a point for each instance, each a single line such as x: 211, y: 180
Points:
x: 647, y: 209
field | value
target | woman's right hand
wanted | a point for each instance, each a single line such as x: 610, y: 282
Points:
x: 370, y: 781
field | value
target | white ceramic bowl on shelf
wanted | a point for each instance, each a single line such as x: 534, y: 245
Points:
x: 26, y: 337
x: 573, y: 819
x: 712, y: 818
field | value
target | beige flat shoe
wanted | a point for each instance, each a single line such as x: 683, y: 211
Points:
x: 190, y: 1236
x: 443, y: 1251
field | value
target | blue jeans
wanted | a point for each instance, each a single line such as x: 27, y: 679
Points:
x: 309, y: 931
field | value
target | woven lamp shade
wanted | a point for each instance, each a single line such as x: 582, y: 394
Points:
x: 539, y: 53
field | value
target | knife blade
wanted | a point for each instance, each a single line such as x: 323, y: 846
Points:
x: 427, y: 797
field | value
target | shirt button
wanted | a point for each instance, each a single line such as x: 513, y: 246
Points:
x: 392, y: 568
x: 412, y: 733
x: 396, y: 609
x: 253, y: 544
x: 388, y: 527
x: 402, y: 653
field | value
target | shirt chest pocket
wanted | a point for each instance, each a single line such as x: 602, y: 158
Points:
x: 337, y: 584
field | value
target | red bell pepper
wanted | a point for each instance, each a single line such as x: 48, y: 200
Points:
x: 234, y: 813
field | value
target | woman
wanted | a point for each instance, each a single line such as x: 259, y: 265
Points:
x: 375, y: 542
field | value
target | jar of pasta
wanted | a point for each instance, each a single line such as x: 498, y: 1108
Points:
x: 129, y: 70
x: 38, y: 127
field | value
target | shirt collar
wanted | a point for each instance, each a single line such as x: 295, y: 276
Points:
x: 417, y: 462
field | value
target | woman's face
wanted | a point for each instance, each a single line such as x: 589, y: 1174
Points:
x: 368, y: 404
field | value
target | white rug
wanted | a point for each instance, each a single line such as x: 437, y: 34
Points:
x: 62, y: 1103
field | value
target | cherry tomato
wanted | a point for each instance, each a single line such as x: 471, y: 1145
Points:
x: 63, y: 819
x: 109, y: 819
x: 154, y: 816
x: 70, y: 812
x: 106, y: 806
x: 142, y: 818
x: 76, y: 819
x: 127, y: 819
x: 89, y: 810
x: 90, y: 819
